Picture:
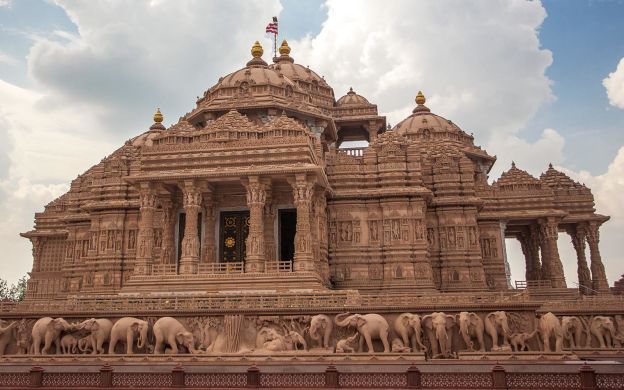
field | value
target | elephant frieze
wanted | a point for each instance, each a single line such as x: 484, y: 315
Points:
x: 370, y: 326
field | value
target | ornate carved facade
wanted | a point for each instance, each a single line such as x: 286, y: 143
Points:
x: 251, y: 224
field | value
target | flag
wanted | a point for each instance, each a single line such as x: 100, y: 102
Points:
x: 271, y: 28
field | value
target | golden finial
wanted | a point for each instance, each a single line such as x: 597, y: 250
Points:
x: 420, y: 98
x: 284, y: 49
x: 158, y: 116
x: 256, y: 50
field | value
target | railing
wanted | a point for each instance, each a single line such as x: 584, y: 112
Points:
x: 354, y: 152
x: 279, y: 266
x: 164, y: 269
x: 529, y: 284
x: 221, y: 268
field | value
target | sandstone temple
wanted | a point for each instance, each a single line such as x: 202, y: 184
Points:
x: 249, y: 231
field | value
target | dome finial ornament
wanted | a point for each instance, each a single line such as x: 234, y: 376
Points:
x: 256, y: 50
x: 420, y: 98
x: 284, y: 49
x: 513, y: 164
x: 158, y: 116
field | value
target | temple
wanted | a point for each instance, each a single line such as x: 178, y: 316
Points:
x: 252, y: 190
x: 253, y: 231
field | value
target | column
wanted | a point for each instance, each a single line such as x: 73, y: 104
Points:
x: 269, y: 223
x: 256, y: 199
x: 209, y: 255
x: 190, y: 243
x: 144, y: 257
x: 169, y: 214
x: 302, y: 194
x: 578, y: 233
x: 599, y: 277
x: 551, y: 263
x: 530, y: 249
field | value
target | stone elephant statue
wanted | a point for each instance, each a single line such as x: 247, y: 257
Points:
x: 370, y: 326
x: 321, y: 327
x: 496, y: 326
x: 437, y: 325
x: 349, y: 344
x: 548, y: 326
x: 603, y: 328
x: 69, y: 344
x: 48, y: 330
x: 471, y: 326
x: 6, y: 334
x: 572, y: 329
x: 170, y: 331
x: 272, y: 341
x: 409, y: 327
x: 518, y: 341
x: 100, y: 330
x: 125, y: 330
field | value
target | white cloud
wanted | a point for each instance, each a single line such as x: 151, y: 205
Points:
x: 479, y: 64
x: 5, y: 3
x: 614, y: 84
x: 6, y: 58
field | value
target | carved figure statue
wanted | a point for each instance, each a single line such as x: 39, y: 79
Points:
x: 409, y: 327
x: 48, y: 330
x: 603, y: 329
x: 496, y: 326
x: 572, y: 329
x: 125, y: 330
x: 321, y: 327
x: 437, y: 326
x: 23, y: 337
x: 399, y: 347
x: 519, y: 340
x: 69, y: 344
x: 6, y: 334
x: 471, y: 326
x: 170, y: 331
x: 370, y: 326
x: 349, y: 344
x: 548, y: 326
x: 100, y: 330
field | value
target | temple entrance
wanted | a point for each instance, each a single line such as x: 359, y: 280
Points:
x: 234, y: 227
x: 287, y: 230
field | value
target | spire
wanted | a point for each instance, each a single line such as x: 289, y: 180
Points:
x: 513, y: 164
x: 420, y: 103
x: 256, y: 52
x: 284, y: 51
x: 158, y: 118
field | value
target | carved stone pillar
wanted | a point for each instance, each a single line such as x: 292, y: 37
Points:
x: 256, y: 199
x: 269, y: 222
x: 167, y: 252
x: 190, y: 243
x: 599, y: 277
x: 302, y: 194
x: 144, y: 257
x: 529, y: 241
x: 209, y: 255
x: 578, y: 233
x: 552, y: 268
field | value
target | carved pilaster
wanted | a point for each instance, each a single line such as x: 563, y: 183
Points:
x: 209, y: 255
x: 552, y: 268
x: 577, y: 234
x: 529, y: 241
x: 256, y: 199
x: 599, y: 277
x: 269, y: 221
x: 302, y: 194
x: 144, y: 257
x: 37, y: 248
x: 192, y: 200
x: 169, y: 220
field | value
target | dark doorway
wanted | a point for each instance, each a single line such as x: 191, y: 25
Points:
x: 287, y: 230
x: 234, y: 230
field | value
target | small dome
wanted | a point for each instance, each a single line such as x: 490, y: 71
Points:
x: 422, y: 118
x: 352, y: 98
x: 286, y: 65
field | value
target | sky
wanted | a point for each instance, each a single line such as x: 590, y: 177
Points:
x: 535, y: 82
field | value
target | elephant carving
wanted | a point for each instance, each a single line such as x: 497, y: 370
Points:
x: 409, y: 327
x: 519, y: 340
x: 471, y: 326
x: 48, y: 330
x: 349, y: 344
x: 370, y: 326
x: 437, y: 326
x: 6, y: 334
x: 84, y: 344
x: 100, y: 330
x: 321, y: 327
x: 170, y: 331
x: 125, y: 330
x: 271, y: 340
x: 603, y: 328
x: 69, y: 344
x: 548, y: 326
x: 572, y: 329
x: 497, y: 327
x: 399, y: 347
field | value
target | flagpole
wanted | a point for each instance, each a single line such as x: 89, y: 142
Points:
x: 275, y: 38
